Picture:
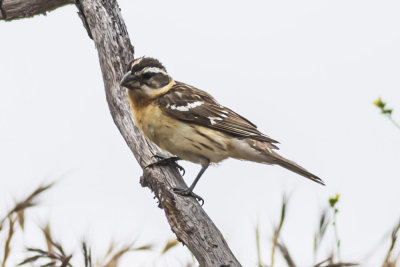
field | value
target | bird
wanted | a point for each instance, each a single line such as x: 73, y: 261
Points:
x: 191, y: 125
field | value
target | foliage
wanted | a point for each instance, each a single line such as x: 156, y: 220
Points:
x: 327, y: 223
x: 54, y: 254
x: 17, y: 214
x: 386, y: 111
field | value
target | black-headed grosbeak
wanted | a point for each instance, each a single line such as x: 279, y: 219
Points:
x: 190, y: 124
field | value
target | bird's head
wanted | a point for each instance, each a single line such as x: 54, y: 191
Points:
x: 147, y: 77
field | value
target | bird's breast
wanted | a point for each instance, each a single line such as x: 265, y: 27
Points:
x: 185, y: 140
x: 149, y: 120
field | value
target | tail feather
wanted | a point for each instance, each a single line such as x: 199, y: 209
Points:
x: 292, y: 166
x: 262, y: 152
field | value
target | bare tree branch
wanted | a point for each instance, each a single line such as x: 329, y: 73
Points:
x: 16, y: 9
x: 104, y: 23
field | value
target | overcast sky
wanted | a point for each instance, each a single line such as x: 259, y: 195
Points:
x: 305, y: 72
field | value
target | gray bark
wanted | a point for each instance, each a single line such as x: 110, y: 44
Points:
x: 15, y: 9
x: 104, y: 23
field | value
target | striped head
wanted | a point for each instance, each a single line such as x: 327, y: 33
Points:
x: 147, y: 77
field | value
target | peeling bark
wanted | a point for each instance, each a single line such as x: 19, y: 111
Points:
x: 104, y: 23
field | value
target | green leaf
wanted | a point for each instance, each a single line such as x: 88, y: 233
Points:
x: 333, y: 200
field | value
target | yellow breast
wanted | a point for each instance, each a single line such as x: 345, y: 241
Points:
x: 187, y: 141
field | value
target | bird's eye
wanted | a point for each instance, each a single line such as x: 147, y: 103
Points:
x: 146, y: 76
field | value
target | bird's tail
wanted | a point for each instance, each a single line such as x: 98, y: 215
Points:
x: 294, y: 167
x: 263, y: 152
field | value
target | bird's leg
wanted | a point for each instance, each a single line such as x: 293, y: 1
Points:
x: 164, y: 161
x: 189, y: 191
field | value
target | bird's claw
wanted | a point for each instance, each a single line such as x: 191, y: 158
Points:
x: 167, y: 161
x: 188, y: 192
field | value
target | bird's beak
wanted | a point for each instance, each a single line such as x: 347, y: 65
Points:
x: 128, y: 80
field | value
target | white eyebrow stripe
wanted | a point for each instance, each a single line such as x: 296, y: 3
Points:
x: 153, y: 70
x: 187, y: 107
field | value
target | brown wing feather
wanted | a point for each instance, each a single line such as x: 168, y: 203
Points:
x: 186, y: 103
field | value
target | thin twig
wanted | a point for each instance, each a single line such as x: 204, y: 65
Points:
x: 395, y: 123
x: 286, y: 255
x: 11, y: 222
x: 29, y: 202
x: 169, y: 244
x: 333, y: 204
x: 87, y: 254
x: 394, y: 236
x: 278, y: 230
x: 259, y: 262
x: 320, y: 234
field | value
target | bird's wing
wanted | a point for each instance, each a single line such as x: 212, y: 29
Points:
x: 186, y: 103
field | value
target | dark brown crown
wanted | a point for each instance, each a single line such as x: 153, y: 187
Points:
x: 144, y: 62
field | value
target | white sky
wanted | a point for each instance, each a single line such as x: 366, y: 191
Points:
x: 306, y: 73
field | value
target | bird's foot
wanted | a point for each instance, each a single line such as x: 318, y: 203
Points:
x: 189, y: 193
x: 164, y: 161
